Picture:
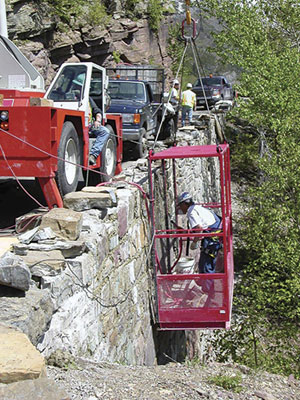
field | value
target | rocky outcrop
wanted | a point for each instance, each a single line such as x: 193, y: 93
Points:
x: 36, y: 30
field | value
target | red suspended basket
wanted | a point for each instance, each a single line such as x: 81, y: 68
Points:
x: 181, y: 303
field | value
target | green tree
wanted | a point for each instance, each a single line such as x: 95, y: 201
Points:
x: 262, y: 39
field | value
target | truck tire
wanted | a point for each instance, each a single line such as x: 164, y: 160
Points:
x: 140, y: 149
x: 109, y: 157
x: 168, y: 130
x: 68, y: 174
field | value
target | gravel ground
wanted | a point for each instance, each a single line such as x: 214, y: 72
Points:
x: 87, y: 380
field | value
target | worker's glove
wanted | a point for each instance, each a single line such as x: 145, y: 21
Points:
x: 194, y: 245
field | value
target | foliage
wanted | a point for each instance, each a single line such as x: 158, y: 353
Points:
x: 175, y: 46
x: 155, y: 11
x: 91, y: 11
x: 131, y: 8
x: 97, y: 14
x: 262, y: 39
x: 116, y: 57
x: 175, y: 51
x: 65, y: 9
x: 227, y: 382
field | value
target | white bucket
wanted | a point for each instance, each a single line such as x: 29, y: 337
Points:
x: 185, y: 265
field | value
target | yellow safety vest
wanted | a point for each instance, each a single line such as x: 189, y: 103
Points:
x: 188, y: 98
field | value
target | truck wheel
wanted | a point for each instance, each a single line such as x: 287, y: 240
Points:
x: 140, y: 149
x: 168, y: 130
x: 109, y: 157
x: 68, y: 150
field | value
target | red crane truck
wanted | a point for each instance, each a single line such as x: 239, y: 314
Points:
x: 46, y: 135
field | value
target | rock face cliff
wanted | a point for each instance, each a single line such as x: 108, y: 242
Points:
x: 48, y: 42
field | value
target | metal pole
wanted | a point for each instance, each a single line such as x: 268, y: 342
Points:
x: 3, y: 23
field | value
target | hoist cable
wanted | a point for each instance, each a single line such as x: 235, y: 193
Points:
x: 200, y: 79
x: 169, y: 97
x: 198, y: 57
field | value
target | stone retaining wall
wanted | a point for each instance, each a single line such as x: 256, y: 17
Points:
x: 96, y: 287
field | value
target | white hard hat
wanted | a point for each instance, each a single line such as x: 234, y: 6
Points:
x: 189, y: 85
x: 184, y: 197
x: 175, y: 82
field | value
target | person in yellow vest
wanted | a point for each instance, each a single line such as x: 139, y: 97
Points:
x: 188, y: 102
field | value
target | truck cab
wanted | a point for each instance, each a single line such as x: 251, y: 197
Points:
x: 135, y: 101
x: 46, y: 136
x: 136, y: 93
x: 75, y: 83
x: 211, y: 90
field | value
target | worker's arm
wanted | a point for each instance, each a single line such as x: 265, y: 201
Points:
x: 96, y: 113
x: 194, y: 244
x: 98, y: 120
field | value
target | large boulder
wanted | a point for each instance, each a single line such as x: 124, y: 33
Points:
x: 19, y: 359
x: 64, y: 223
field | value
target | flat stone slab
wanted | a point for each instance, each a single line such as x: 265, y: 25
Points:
x: 81, y: 201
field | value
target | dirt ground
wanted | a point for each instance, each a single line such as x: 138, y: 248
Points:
x: 87, y: 380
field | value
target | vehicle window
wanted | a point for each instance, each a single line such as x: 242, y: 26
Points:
x: 209, y: 81
x: 96, y: 83
x: 69, y: 85
x: 96, y: 87
x: 127, y: 90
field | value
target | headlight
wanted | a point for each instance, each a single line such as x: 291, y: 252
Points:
x: 131, y: 118
x: 4, y: 116
x: 216, y: 93
x: 127, y: 118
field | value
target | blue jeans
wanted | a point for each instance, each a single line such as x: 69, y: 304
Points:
x: 102, y: 135
x: 186, y: 111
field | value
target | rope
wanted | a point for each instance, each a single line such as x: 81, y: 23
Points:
x: 169, y: 98
x: 49, y: 154
x: 11, y: 170
x: 199, y: 75
x: 198, y: 55
x: 81, y: 166
x: 90, y: 294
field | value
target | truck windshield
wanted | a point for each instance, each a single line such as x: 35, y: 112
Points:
x: 209, y: 81
x: 69, y: 85
x: 127, y: 90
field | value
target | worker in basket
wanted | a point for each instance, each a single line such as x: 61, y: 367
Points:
x: 202, y: 219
